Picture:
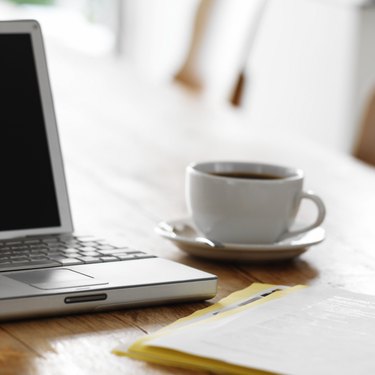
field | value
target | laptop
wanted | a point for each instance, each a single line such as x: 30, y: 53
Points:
x: 45, y: 269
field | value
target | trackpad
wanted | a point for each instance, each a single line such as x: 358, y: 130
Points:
x: 55, y: 278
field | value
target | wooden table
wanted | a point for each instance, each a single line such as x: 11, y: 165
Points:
x: 126, y: 145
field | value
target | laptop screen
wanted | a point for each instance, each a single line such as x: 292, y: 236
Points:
x: 27, y: 190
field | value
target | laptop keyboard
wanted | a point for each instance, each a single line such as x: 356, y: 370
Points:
x: 55, y: 251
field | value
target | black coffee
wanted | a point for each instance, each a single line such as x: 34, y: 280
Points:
x: 248, y: 175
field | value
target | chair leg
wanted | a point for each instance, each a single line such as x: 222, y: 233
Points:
x: 365, y: 148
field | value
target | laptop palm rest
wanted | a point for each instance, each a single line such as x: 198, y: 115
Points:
x: 54, y: 278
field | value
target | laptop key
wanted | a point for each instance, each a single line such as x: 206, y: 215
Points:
x: 132, y: 251
x: 144, y: 256
x: 20, y: 252
x: 11, y: 243
x: 39, y: 250
x: 87, y: 239
x: 50, y: 240
x: 19, y: 247
x: 19, y: 258
x: 89, y: 253
x: 69, y: 251
x: 125, y: 256
x: 105, y: 247
x: 38, y: 257
x: 38, y: 246
x: 86, y: 244
x: 27, y: 265
x: 87, y: 248
x: 69, y: 261
x: 72, y: 255
x: 114, y: 251
x: 90, y: 259
x: 31, y: 242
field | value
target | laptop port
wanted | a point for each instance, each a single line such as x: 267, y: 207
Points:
x: 87, y: 298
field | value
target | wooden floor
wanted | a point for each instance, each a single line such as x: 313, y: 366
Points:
x: 126, y: 145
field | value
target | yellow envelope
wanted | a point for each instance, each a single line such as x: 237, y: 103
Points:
x: 256, y: 294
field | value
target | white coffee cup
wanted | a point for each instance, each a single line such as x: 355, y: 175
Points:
x: 249, y: 203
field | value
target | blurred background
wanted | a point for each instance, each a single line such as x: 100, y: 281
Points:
x: 298, y: 66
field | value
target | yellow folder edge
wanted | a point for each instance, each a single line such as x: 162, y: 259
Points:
x: 143, y: 350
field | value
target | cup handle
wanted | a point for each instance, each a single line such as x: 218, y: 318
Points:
x: 321, y: 215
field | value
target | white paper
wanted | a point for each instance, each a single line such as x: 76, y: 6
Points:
x: 311, y: 331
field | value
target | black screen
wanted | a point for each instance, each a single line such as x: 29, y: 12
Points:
x: 27, y: 190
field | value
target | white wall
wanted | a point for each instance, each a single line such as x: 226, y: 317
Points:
x: 311, y: 69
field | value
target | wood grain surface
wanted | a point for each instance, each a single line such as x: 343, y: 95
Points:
x: 126, y: 144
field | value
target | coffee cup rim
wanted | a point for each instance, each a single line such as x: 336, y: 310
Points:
x: 202, y: 169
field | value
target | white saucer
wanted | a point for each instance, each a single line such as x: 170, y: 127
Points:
x: 183, y: 234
